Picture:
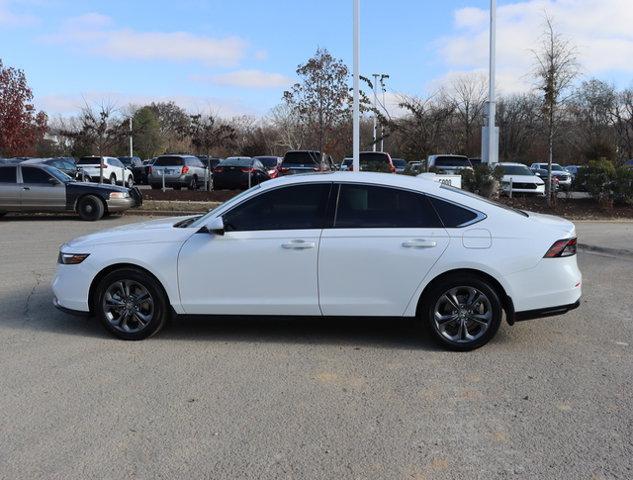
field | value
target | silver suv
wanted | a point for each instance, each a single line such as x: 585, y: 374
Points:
x: 178, y: 171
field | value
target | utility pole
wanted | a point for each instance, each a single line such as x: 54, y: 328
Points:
x: 356, y: 114
x: 375, y: 85
x: 490, y: 134
x: 384, y: 105
x: 131, y: 140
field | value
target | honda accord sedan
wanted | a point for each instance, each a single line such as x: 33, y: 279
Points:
x: 330, y: 244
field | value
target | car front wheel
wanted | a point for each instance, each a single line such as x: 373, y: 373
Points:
x: 90, y: 208
x: 131, y: 304
x: 462, y: 312
x: 130, y: 182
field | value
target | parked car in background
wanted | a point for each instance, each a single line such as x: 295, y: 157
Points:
x: 414, y: 168
x: 518, y: 178
x: 271, y: 164
x: 346, y: 164
x: 65, y: 164
x: 177, y: 171
x: 562, y: 178
x: 375, y: 162
x: 209, y: 162
x: 135, y: 164
x: 573, y: 170
x: 400, y: 164
x: 239, y: 173
x: 474, y: 161
x: 364, y: 245
x: 114, y: 172
x: 305, y: 161
x: 38, y: 187
x: 451, y: 164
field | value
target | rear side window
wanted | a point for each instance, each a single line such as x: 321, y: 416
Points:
x: 35, y: 175
x: 89, y: 161
x: 296, y: 207
x: 452, y: 216
x: 8, y: 175
x: 369, y: 206
x: 302, y: 158
x: 169, y: 162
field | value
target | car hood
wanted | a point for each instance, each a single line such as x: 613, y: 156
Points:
x: 523, y: 179
x: 565, y: 228
x: 105, y: 187
x: 154, y: 231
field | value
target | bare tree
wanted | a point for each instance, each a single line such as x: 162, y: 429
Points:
x: 556, y: 69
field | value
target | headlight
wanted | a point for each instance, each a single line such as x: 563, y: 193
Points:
x: 119, y: 195
x: 71, y: 258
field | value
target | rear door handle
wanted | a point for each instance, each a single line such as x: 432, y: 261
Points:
x: 298, y: 245
x: 419, y: 243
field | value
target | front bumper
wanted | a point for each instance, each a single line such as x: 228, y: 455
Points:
x: 120, y: 204
x: 70, y: 311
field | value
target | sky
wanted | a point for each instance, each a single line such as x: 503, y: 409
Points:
x: 237, y: 57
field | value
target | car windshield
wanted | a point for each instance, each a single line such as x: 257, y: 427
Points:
x: 399, y: 162
x: 169, y: 162
x: 301, y: 158
x: 236, y: 162
x: 486, y: 200
x: 348, y: 161
x: 235, y: 200
x: 126, y: 160
x: 452, y: 162
x: 89, y: 161
x: 516, y: 170
x: 268, y: 162
x: 58, y: 174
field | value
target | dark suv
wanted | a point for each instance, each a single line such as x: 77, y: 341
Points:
x: 138, y: 169
x: 305, y: 161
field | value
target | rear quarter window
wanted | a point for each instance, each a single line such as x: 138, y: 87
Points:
x: 452, y: 215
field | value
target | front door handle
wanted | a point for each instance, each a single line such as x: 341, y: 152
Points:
x: 419, y: 243
x: 26, y: 188
x: 298, y: 245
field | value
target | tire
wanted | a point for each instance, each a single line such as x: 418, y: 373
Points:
x: 113, y: 179
x: 135, y: 316
x: 481, y: 318
x: 130, y: 182
x: 193, y: 184
x: 90, y: 208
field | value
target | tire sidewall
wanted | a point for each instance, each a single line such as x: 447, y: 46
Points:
x: 152, y: 286
x: 99, y: 208
x: 426, y: 312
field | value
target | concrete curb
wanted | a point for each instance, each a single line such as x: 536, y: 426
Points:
x: 617, y: 252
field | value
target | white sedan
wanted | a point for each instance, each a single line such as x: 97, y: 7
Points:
x: 332, y: 244
x: 518, y: 178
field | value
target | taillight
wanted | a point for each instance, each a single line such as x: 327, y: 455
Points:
x: 247, y: 170
x: 184, y: 170
x: 218, y: 170
x: 317, y: 169
x: 392, y: 169
x: 562, y: 248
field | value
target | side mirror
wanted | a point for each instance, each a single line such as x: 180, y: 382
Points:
x: 53, y: 181
x: 216, y: 226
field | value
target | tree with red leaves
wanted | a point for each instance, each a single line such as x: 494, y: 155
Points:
x: 21, y: 127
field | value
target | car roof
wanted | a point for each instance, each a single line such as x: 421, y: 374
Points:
x: 513, y: 164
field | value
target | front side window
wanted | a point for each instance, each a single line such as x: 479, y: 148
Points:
x: 35, y: 175
x: 296, y: 207
x: 371, y: 206
x: 8, y: 175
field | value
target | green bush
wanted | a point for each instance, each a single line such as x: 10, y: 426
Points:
x: 482, y: 180
x: 607, y: 183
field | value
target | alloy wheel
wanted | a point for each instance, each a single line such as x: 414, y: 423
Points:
x: 462, y: 314
x: 128, y: 306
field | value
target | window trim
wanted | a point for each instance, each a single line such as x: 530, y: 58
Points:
x: 21, y: 176
x: 324, y: 213
x: 480, y: 215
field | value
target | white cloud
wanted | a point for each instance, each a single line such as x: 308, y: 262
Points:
x: 68, y: 105
x: 9, y: 18
x: 97, y: 34
x: 247, y: 79
x: 600, y: 29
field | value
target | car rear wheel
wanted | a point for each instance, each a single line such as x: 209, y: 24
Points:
x: 113, y: 179
x: 193, y: 184
x: 462, y: 312
x: 131, y: 304
x: 90, y: 208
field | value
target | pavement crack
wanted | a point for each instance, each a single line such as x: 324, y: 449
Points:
x: 27, y: 303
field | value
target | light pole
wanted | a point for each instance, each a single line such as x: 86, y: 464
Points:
x: 384, y: 105
x: 490, y: 144
x: 131, y: 140
x: 356, y: 114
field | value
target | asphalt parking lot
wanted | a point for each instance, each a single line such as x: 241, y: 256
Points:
x: 549, y: 398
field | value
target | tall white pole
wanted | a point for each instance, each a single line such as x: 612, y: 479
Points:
x: 375, y: 75
x: 356, y: 114
x: 492, y: 156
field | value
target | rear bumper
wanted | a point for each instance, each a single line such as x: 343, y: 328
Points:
x: 180, y: 181
x: 545, y: 312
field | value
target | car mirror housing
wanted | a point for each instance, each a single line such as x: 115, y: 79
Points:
x: 216, y: 226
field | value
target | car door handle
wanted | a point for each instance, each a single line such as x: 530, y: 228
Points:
x: 298, y: 245
x: 26, y: 188
x: 419, y: 243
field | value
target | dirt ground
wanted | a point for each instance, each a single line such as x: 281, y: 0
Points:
x: 190, y: 195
